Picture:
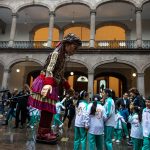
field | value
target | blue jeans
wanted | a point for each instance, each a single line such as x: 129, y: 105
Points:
x: 10, y: 113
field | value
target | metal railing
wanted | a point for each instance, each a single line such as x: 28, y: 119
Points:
x: 30, y: 44
x: 146, y: 44
x: 4, y: 44
x: 115, y: 44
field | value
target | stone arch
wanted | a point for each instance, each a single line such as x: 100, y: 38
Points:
x: 31, y: 33
x: 6, y: 6
x: 145, y: 67
x: 22, y: 6
x: 119, y: 61
x: 79, y: 62
x: 2, y: 63
x: 132, y: 2
x: 144, y: 2
x: 12, y: 63
x: 74, y: 25
x: 63, y: 3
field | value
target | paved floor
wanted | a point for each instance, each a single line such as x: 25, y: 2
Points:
x: 24, y: 139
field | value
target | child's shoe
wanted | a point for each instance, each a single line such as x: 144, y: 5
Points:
x: 118, y: 141
x: 60, y: 126
x: 113, y: 140
x: 127, y: 137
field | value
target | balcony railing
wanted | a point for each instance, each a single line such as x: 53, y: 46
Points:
x: 116, y: 44
x: 4, y: 44
x: 146, y: 44
x: 30, y: 44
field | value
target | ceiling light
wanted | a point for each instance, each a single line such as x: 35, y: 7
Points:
x: 82, y: 79
x: 134, y: 74
x: 17, y: 70
x: 73, y: 21
x: 71, y: 73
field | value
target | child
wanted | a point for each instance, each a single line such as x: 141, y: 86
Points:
x: 118, y: 127
x: 125, y: 114
x: 71, y: 113
x: 57, y: 121
x: 110, y: 120
x: 80, y: 119
x: 136, y: 128
x: 34, y: 116
x: 146, y: 125
x: 95, y: 123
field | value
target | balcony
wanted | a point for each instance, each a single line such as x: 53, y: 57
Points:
x: 99, y: 45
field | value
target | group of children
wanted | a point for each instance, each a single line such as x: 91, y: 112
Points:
x: 101, y: 119
x: 93, y: 121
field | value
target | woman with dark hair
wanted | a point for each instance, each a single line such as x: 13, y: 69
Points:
x: 110, y: 118
x: 95, y: 123
x: 80, y: 120
x: 46, y: 99
x: 137, y: 99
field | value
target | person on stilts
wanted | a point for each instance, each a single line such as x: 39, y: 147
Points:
x: 45, y: 97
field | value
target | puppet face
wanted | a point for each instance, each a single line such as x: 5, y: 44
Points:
x: 71, y: 48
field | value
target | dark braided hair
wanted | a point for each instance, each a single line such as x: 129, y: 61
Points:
x: 72, y: 38
x: 93, y: 108
x: 139, y: 112
x: 81, y: 96
x: 108, y: 92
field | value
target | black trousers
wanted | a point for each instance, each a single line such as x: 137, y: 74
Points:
x: 23, y: 111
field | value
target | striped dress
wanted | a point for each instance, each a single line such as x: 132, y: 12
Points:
x: 48, y: 103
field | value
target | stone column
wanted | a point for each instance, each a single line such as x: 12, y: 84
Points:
x: 139, y: 27
x: 13, y: 29
x: 61, y: 34
x: 92, y: 28
x: 6, y: 74
x: 90, y: 83
x: 140, y: 83
x: 51, y: 26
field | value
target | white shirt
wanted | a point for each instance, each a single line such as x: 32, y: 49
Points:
x: 34, y: 111
x: 81, y: 114
x: 95, y: 123
x: 146, y: 122
x: 118, y: 121
x: 59, y: 105
x: 110, y: 112
x: 136, y: 126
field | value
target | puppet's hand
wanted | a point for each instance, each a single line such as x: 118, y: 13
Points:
x: 46, y: 89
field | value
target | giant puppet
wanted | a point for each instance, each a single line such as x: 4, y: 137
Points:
x: 45, y: 88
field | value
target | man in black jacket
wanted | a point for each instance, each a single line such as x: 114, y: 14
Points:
x: 125, y: 100
x: 12, y: 105
x: 22, y: 106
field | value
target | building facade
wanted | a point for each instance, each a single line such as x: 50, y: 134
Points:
x: 115, y: 42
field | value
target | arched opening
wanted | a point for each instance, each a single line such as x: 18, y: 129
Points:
x: 41, y: 34
x: 114, y: 81
x: 116, y: 76
x: 76, y: 73
x: 147, y: 81
x: 145, y: 21
x: 1, y: 74
x: 82, y: 32
x: 110, y: 32
x: 19, y: 74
